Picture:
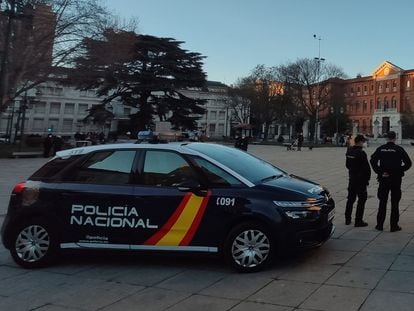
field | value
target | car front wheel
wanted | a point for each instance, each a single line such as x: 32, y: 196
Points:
x: 249, y: 247
x: 34, y: 245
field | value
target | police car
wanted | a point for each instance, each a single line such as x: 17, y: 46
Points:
x: 188, y: 197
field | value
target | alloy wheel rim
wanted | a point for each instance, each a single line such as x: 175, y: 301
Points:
x: 250, y: 248
x: 32, y: 243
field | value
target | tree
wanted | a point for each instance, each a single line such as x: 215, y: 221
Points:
x: 269, y: 100
x: 38, y: 36
x: 98, y: 114
x: 145, y: 72
x: 310, y: 83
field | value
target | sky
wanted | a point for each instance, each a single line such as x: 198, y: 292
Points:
x: 237, y: 35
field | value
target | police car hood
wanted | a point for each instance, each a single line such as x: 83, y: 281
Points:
x: 294, y: 185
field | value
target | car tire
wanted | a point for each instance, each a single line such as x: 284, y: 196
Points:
x: 34, y: 244
x: 249, y: 247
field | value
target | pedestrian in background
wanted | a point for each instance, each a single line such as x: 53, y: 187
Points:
x: 300, y: 141
x: 47, y: 145
x: 389, y: 162
x: 359, y: 176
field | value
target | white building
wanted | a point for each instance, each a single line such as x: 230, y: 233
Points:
x: 60, y: 110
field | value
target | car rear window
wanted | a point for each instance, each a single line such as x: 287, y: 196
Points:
x: 52, y: 168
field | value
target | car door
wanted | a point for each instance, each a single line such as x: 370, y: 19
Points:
x: 173, y: 202
x: 230, y: 200
x: 98, y: 203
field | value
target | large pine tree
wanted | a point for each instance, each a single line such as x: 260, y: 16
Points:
x: 145, y: 72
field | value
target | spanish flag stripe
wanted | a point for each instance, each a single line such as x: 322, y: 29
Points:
x: 193, y: 229
x: 183, y: 223
x: 170, y: 222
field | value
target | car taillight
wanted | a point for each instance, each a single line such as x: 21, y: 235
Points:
x: 29, y: 192
x: 19, y: 188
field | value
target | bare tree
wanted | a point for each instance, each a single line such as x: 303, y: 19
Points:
x: 309, y: 83
x: 269, y: 100
x: 38, y: 36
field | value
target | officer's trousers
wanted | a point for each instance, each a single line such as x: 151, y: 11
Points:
x: 387, y: 185
x: 356, y: 189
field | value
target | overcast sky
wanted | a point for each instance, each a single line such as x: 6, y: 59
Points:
x: 236, y: 35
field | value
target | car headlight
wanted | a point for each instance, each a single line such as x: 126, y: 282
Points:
x: 308, y: 209
x: 299, y: 214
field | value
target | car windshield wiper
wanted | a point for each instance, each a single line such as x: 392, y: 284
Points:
x: 271, y: 177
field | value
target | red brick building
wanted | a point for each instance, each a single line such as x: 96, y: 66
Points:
x: 375, y: 104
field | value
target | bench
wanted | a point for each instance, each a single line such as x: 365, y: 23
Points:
x: 27, y: 154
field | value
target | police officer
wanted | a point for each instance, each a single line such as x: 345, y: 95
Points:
x: 390, y: 162
x: 359, y: 175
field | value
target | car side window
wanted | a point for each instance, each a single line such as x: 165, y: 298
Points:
x: 106, y: 167
x: 215, y: 175
x: 164, y: 168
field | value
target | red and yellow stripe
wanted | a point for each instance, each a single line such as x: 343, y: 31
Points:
x: 181, y: 227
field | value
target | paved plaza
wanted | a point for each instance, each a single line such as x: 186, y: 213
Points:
x: 358, y: 269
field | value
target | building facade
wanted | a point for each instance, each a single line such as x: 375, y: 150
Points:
x: 61, y: 110
x: 376, y: 103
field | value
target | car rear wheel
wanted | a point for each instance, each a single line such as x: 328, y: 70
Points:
x: 34, y: 245
x: 249, y: 247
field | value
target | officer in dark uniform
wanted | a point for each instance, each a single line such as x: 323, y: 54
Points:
x: 359, y: 175
x: 390, y: 162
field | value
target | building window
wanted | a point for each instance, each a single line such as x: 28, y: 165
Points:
x: 387, y: 87
x: 380, y: 88
x: 40, y: 107
x: 67, y: 125
x: 220, y: 129
x: 213, y: 115
x: 365, y: 90
x: 371, y: 105
x: 408, y: 84
x: 69, y: 108
x: 222, y: 115
x: 351, y: 108
x: 212, y: 128
x: 364, y: 106
x: 356, y: 107
x: 372, y: 87
x: 54, y: 108
x: 385, y: 103
x: 378, y: 103
x: 359, y: 90
x: 38, y: 124
x: 83, y: 109
x: 393, y: 102
x: 394, y: 85
x: 54, y: 124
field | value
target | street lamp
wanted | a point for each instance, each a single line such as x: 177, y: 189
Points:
x: 319, y: 60
x: 336, y: 112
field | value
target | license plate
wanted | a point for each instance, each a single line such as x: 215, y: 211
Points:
x: 331, y: 215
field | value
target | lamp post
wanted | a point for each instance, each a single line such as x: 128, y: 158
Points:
x: 319, y: 60
x: 336, y: 112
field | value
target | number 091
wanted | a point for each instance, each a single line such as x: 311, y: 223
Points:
x: 226, y: 201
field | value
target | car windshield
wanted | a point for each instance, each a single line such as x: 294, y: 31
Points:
x: 253, y: 169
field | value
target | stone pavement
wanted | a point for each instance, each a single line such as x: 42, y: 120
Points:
x: 358, y: 269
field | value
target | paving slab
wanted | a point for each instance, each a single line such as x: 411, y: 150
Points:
x: 337, y: 298
x: 380, y: 300
x: 356, y: 277
x: 285, y: 293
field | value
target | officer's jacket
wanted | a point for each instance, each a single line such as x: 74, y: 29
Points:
x: 357, y: 165
x: 391, y: 159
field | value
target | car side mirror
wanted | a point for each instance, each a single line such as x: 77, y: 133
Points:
x: 192, y: 185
